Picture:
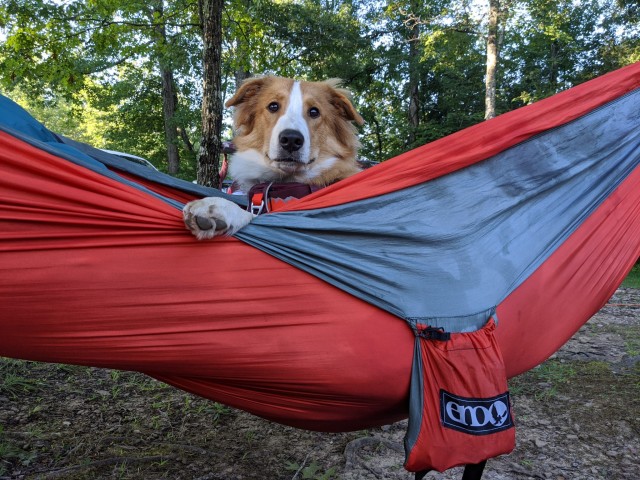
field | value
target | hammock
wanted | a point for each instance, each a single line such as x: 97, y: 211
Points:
x: 301, y: 318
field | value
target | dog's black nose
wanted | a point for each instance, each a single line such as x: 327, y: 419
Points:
x: 291, y: 140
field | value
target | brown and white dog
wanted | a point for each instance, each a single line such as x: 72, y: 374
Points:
x: 285, y: 131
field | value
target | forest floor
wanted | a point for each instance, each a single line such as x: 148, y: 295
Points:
x: 577, y: 416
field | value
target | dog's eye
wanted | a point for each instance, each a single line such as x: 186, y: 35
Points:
x: 314, y: 112
x: 274, y: 107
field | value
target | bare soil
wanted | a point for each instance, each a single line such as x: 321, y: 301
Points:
x: 578, y: 417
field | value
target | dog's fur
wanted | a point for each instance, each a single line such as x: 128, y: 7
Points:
x: 285, y: 131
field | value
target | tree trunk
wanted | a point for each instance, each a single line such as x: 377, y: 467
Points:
x: 185, y: 138
x: 169, y: 96
x: 168, y: 111
x: 243, y: 51
x: 492, y: 60
x: 378, y: 133
x: 241, y: 75
x: 210, y: 144
x: 553, y: 66
x: 414, y: 74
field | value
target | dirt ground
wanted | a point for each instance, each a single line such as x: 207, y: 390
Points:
x: 577, y: 416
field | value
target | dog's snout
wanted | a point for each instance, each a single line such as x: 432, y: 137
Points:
x: 291, y: 140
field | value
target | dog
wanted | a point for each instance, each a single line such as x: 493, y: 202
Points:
x: 285, y: 131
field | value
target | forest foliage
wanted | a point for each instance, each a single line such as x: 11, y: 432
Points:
x: 95, y: 70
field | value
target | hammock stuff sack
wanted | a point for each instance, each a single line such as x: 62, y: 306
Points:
x: 328, y: 313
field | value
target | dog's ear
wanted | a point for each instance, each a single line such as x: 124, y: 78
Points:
x: 248, y: 90
x: 341, y: 100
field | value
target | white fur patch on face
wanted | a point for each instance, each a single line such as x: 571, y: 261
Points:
x: 248, y: 167
x: 293, y: 119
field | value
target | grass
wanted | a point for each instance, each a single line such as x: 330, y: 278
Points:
x: 544, y: 381
x: 632, y: 343
x: 631, y: 336
x: 553, y: 374
x: 311, y: 472
x: 14, y: 379
x: 633, y: 279
x: 10, y: 451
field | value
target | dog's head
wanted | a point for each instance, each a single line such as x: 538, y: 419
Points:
x: 287, y: 130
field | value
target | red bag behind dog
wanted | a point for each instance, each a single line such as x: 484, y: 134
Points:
x: 460, y: 411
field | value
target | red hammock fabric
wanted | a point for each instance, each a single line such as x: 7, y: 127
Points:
x: 95, y: 272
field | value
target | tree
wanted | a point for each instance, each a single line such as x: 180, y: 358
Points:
x: 210, y: 144
x: 169, y: 95
x: 155, y: 73
x: 63, y: 49
x: 77, y: 119
x: 492, y: 59
x: 242, y: 29
x: 554, y: 45
x: 453, y: 60
x: 414, y: 72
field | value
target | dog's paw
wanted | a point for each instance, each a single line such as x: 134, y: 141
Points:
x: 213, y: 216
